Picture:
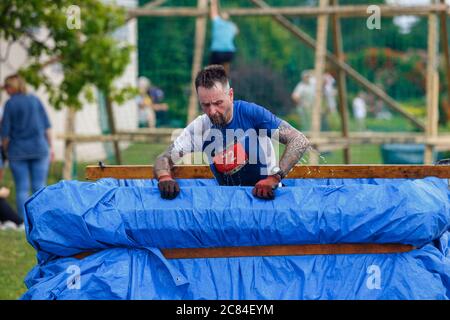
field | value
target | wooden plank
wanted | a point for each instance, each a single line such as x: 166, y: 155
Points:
x: 445, y: 49
x: 279, y: 250
x: 432, y: 84
x: 352, y: 73
x: 94, y: 172
x: 345, y: 11
x: 285, y: 250
x: 370, y: 171
x: 200, y: 34
x: 167, y: 12
x: 340, y: 80
x: 325, y: 138
x: 150, y: 5
x: 319, y: 68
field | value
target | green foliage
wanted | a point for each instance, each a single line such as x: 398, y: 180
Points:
x: 87, y: 56
x: 401, y: 74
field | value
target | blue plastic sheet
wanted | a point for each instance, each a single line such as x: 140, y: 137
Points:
x: 126, y: 221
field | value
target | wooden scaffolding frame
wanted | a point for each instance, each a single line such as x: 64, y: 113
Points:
x: 438, y: 11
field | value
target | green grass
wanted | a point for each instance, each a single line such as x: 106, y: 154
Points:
x: 17, y: 258
x: 361, y: 154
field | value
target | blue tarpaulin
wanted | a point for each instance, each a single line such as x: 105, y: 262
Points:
x: 125, y: 222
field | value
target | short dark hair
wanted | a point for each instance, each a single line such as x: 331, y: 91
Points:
x: 210, y: 75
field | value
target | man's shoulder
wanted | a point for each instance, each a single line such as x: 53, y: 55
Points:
x: 245, y: 104
x: 248, y: 107
x: 202, y: 122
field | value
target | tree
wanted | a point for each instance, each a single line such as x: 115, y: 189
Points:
x: 79, y: 38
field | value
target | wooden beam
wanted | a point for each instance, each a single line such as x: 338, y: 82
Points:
x: 445, y: 49
x: 299, y: 171
x: 321, y: 48
x: 142, y: 138
x: 285, y: 250
x: 340, y: 80
x: 432, y: 84
x: 167, y: 12
x: 278, y: 250
x: 341, y: 11
x: 325, y: 138
x: 352, y: 73
x: 200, y: 34
x: 345, y: 11
x: 150, y: 5
x: 146, y: 172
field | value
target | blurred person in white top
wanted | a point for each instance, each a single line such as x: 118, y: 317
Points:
x: 360, y: 111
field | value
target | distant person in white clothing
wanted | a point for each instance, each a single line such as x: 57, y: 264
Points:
x: 360, y: 111
x: 329, y: 92
x: 303, y: 96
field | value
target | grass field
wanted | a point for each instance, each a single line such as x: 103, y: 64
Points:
x: 17, y: 257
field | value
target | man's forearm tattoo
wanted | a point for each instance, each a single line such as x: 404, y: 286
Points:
x: 164, y: 162
x: 296, y: 145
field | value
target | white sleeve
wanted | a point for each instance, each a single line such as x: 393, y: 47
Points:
x: 191, y: 138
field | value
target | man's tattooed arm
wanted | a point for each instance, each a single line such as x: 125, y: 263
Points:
x: 164, y: 162
x: 296, y: 145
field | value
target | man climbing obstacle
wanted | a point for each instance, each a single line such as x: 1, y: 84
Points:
x: 236, y: 137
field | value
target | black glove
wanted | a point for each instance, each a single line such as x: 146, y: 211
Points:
x: 168, y: 187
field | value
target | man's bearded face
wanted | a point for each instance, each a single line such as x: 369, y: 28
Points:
x: 217, y: 104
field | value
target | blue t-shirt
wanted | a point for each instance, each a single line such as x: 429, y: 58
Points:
x: 24, y: 123
x: 249, y: 119
x: 247, y: 115
x: 223, y: 33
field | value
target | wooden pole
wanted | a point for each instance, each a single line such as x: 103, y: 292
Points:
x: 322, y: 26
x: 200, y: 33
x: 150, y: 5
x: 352, y: 73
x: 341, y: 83
x: 342, y: 11
x: 445, y: 49
x: 112, y: 126
x: 432, y: 85
x: 69, y: 144
x: 326, y: 139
